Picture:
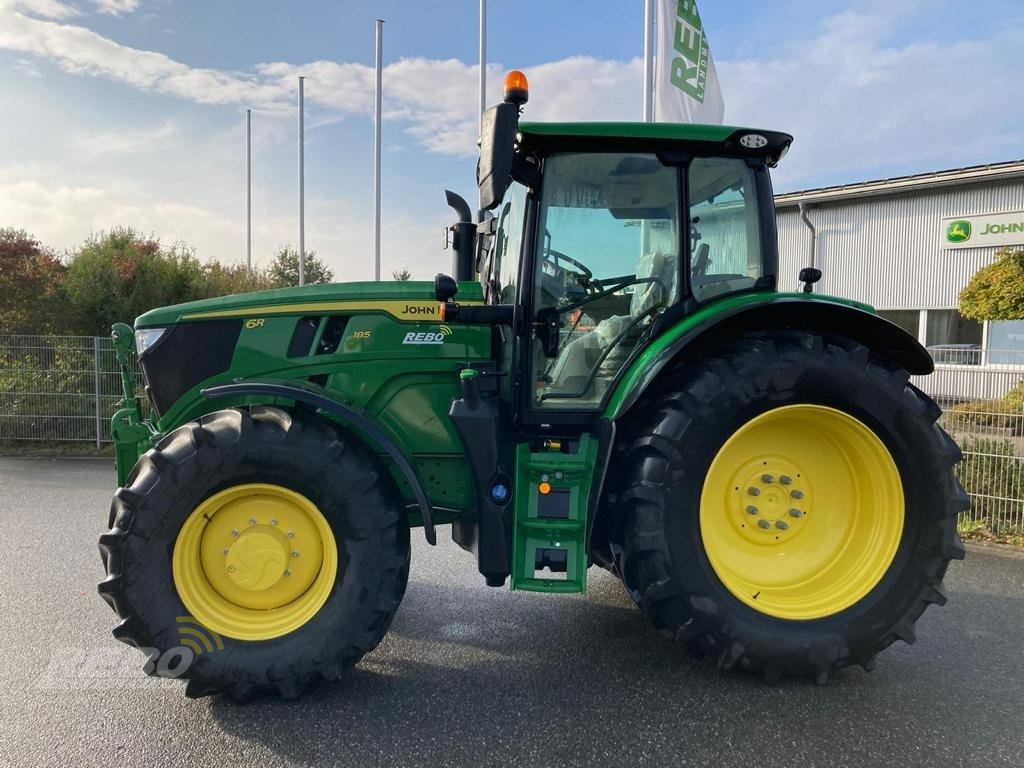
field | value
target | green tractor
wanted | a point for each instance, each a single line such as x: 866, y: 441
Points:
x: 610, y: 378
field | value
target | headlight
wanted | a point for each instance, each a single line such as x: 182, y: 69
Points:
x: 146, y: 338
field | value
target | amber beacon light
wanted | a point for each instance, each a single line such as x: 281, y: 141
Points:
x: 517, y: 88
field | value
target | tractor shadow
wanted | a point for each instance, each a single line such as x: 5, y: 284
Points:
x: 466, y: 674
x: 474, y: 676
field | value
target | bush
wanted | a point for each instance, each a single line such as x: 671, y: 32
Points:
x: 1004, y: 413
x: 994, y: 476
x: 996, y: 292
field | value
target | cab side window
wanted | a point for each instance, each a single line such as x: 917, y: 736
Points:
x: 725, y: 244
x: 508, y: 240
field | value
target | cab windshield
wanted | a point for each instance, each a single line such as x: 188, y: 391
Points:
x: 607, y: 264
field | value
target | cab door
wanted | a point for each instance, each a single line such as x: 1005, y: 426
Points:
x: 607, y: 261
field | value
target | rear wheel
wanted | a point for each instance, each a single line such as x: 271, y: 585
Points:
x: 787, y: 504
x: 267, y: 550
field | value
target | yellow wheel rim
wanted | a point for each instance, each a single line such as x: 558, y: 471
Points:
x: 802, y: 512
x: 255, y: 561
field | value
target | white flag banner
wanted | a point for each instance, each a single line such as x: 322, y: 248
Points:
x: 686, y: 88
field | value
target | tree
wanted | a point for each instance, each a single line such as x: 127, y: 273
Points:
x: 284, y: 269
x: 401, y: 275
x: 996, y: 292
x: 221, y: 279
x: 30, y: 276
x: 118, y: 275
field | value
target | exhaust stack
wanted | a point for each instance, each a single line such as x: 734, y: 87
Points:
x: 463, y: 238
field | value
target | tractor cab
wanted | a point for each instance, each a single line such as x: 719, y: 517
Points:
x: 594, y: 237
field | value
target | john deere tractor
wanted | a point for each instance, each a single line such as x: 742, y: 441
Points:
x: 611, y: 378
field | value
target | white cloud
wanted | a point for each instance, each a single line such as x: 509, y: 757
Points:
x: 116, y: 7
x: 27, y: 68
x: 855, y: 102
x: 122, y: 142
x: 857, y: 105
x: 62, y: 215
x: 79, y: 50
x: 50, y: 9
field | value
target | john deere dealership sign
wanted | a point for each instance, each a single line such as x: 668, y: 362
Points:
x: 994, y: 229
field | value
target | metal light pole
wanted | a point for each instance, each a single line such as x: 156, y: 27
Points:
x: 302, y: 185
x: 248, y: 189
x: 649, y: 11
x: 483, y: 56
x: 376, y: 152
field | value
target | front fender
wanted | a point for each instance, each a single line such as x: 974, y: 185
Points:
x: 728, y: 318
x: 318, y: 397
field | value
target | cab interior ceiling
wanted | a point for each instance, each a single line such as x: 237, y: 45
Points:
x: 708, y: 180
x: 628, y: 186
x: 631, y: 187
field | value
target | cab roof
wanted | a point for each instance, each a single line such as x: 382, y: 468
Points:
x: 693, y: 137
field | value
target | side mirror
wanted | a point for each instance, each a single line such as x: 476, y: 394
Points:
x: 497, y: 151
x: 445, y: 287
x: 809, y: 276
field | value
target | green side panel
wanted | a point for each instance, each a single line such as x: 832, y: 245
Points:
x: 655, y: 131
x: 402, y: 374
x: 571, y: 478
x: 635, y: 375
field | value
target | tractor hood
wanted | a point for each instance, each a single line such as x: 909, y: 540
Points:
x: 405, y: 300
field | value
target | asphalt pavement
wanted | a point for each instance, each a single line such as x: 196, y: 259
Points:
x: 483, y: 677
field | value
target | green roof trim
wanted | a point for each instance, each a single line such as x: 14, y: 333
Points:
x: 667, y: 131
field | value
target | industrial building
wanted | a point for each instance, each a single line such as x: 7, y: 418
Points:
x: 908, y: 246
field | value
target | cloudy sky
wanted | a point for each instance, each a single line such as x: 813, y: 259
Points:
x: 132, y: 111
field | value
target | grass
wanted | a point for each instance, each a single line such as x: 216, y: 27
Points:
x: 979, y: 530
x: 56, y: 450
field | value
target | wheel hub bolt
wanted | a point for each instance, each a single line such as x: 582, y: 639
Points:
x: 796, y: 494
x: 291, y: 534
x: 287, y: 572
x: 751, y: 510
x: 763, y: 524
x: 785, y: 479
x: 252, y: 521
x: 234, y: 531
x: 273, y: 522
x: 782, y: 525
x: 295, y: 553
x: 754, y: 491
x: 768, y: 479
x: 798, y: 513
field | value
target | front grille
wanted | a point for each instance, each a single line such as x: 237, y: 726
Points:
x: 186, y: 355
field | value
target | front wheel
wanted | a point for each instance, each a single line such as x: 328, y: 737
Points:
x: 787, y: 505
x: 258, y: 550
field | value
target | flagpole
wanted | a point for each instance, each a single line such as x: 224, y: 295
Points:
x: 302, y: 184
x: 483, y: 56
x: 248, y: 190
x: 376, y: 153
x: 649, y: 12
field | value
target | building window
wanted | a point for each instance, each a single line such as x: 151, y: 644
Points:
x: 1006, y: 342
x: 952, y: 338
x: 907, y: 319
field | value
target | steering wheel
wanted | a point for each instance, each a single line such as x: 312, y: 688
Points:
x: 584, y: 277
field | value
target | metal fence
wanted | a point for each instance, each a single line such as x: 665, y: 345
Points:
x: 982, y: 396
x: 58, y: 388
x: 63, y: 388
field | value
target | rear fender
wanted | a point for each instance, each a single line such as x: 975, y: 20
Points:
x: 718, y: 323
